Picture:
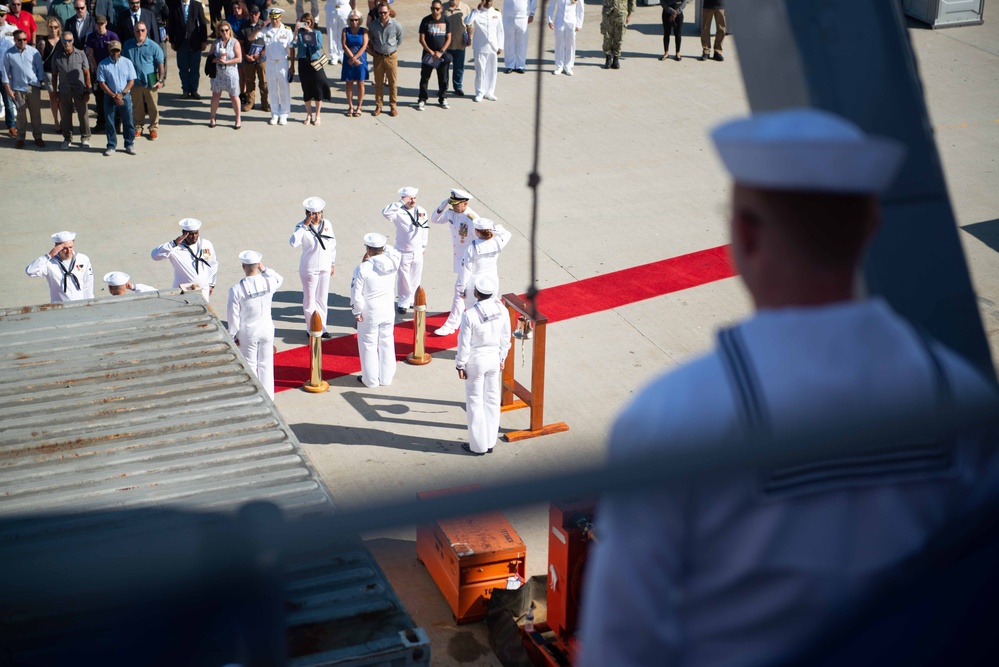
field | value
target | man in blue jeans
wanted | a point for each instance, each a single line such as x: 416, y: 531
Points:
x: 116, y: 76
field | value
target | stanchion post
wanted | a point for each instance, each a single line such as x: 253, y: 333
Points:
x: 316, y: 384
x: 419, y: 356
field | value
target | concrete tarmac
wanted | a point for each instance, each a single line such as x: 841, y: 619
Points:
x: 628, y: 178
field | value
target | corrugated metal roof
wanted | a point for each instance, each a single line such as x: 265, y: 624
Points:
x: 144, y: 402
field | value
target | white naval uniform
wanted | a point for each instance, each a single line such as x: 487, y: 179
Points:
x: 567, y: 17
x: 487, y: 40
x: 515, y: 15
x: 277, y: 41
x: 190, y: 265
x: 68, y: 281
x: 337, y: 12
x: 462, y: 235
x: 139, y: 288
x: 744, y: 566
x: 371, y: 290
x: 411, y: 236
x: 250, y: 323
x: 481, y: 259
x: 315, y: 266
x: 483, y: 342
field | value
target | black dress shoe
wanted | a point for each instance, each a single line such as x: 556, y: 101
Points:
x: 359, y: 379
x: 468, y: 448
x: 327, y: 336
x: 520, y: 70
x: 400, y: 310
x: 459, y: 93
x: 508, y: 70
x: 719, y: 57
x: 195, y: 96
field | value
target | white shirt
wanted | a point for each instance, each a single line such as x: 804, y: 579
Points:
x: 318, y: 246
x: 485, y: 331
x: 196, y: 264
x: 482, y: 257
x: 71, y: 280
x: 744, y: 567
x: 462, y: 230
x: 411, y: 229
x: 519, y: 9
x: 372, y: 287
x: 487, y: 31
x: 277, y: 41
x: 249, y: 310
x: 566, y: 13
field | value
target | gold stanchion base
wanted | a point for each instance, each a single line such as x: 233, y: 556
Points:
x: 411, y: 358
x: 317, y: 388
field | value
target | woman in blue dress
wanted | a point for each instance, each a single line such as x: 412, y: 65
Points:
x: 355, y: 61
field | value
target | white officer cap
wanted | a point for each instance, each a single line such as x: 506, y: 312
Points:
x: 3, y: 9
x: 250, y: 257
x: 806, y: 149
x: 314, y: 205
x: 117, y: 278
x: 486, y: 285
x: 408, y: 192
x: 190, y: 224
x: 375, y: 240
x: 64, y: 237
x: 483, y: 224
x: 275, y: 11
x: 460, y: 195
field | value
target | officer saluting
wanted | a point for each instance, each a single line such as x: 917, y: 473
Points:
x: 371, y: 302
x: 193, y: 258
x: 315, y: 236
x: 454, y: 212
x: 70, y: 275
x: 249, y: 316
x: 411, y: 236
x: 483, y: 342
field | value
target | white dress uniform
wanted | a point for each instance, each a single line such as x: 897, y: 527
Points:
x: 566, y: 16
x: 277, y: 41
x: 482, y: 259
x: 411, y: 236
x: 71, y: 280
x: 483, y: 343
x: 371, y: 289
x: 196, y: 264
x: 461, y: 225
x: 487, y: 40
x: 515, y: 15
x: 336, y: 20
x: 743, y: 567
x: 250, y: 323
x: 315, y: 266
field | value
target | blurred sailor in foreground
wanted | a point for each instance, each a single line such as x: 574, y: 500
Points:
x: 483, y: 342
x: 315, y: 236
x: 193, y: 258
x: 249, y: 316
x: 70, y: 275
x: 746, y: 566
x: 120, y: 283
x: 371, y: 302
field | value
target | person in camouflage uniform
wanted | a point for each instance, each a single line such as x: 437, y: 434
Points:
x: 616, y: 15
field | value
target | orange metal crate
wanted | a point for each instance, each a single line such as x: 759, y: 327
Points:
x: 469, y: 557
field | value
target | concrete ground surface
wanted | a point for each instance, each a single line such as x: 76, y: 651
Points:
x: 629, y: 178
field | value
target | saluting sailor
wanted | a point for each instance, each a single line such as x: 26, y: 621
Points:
x: 455, y: 213
x: 70, y: 275
x: 371, y: 302
x: 315, y: 236
x: 483, y: 343
x: 412, y: 232
x: 481, y: 258
x: 120, y: 283
x: 193, y: 258
x: 249, y: 316
x: 278, y: 50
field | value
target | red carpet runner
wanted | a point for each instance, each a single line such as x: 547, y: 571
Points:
x: 563, y: 302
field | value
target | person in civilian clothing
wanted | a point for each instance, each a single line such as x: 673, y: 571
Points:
x: 70, y: 275
x: 116, y: 76
x: 253, y: 71
x: 712, y: 10
x: 22, y: 19
x: 97, y: 50
x: 71, y: 78
x: 384, y: 37
x: 23, y: 76
x: 7, y: 31
x: 81, y: 25
x: 150, y: 75
x: 435, y: 39
x: 187, y: 33
x: 128, y: 18
x: 456, y: 12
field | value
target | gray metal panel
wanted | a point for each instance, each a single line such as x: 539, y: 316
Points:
x: 945, y: 13
x: 141, y: 402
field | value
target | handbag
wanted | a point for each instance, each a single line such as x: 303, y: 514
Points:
x: 318, y: 63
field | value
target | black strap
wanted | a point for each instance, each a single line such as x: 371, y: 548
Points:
x: 66, y: 275
x: 745, y: 384
x: 318, y: 235
x: 197, y: 258
x: 415, y: 217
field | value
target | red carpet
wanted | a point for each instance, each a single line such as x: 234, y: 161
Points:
x: 563, y: 302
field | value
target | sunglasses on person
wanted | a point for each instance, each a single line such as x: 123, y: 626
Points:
x: 80, y: 8
x: 352, y: 20
x: 66, y: 41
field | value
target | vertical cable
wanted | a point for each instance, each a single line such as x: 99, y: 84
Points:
x: 534, y: 178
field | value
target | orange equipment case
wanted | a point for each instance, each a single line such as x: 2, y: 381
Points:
x: 469, y: 557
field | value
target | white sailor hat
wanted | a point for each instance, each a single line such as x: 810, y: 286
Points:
x: 483, y: 224
x: 460, y: 195
x: 274, y: 11
x: 190, y: 224
x: 408, y: 192
x: 250, y: 257
x: 374, y: 240
x: 486, y: 285
x: 64, y: 237
x: 314, y: 205
x: 3, y: 9
x: 117, y: 278
x: 806, y: 149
